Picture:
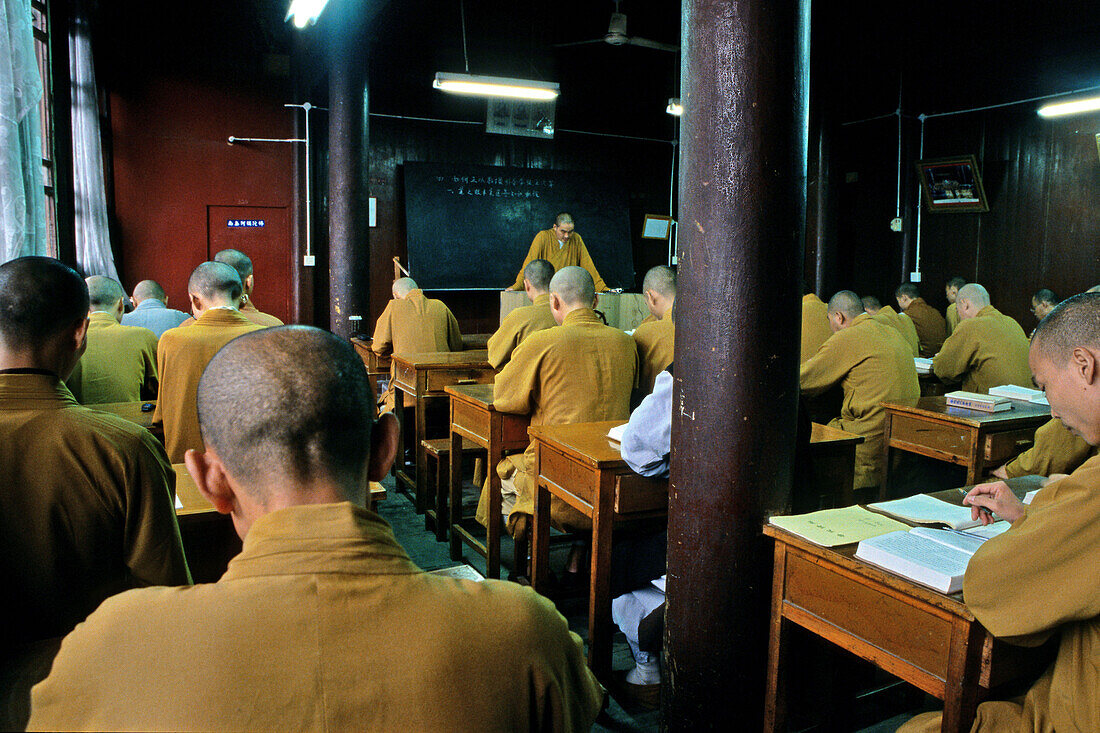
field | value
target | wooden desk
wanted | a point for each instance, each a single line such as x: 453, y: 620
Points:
x: 926, y: 638
x: 424, y: 377
x: 475, y: 341
x: 969, y: 438
x: 581, y: 466
x: 473, y: 418
x: 932, y: 386
x: 132, y: 411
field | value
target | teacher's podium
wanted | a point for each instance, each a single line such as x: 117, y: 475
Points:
x: 623, y: 311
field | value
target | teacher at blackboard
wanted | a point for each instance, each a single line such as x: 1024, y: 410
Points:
x: 560, y: 245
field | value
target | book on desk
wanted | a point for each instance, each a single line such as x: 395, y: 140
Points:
x: 977, y: 401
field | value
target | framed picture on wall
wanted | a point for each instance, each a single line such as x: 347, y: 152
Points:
x: 952, y: 184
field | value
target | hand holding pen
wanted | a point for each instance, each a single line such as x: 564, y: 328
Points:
x: 985, y: 500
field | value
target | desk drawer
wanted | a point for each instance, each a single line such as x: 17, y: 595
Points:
x: 634, y: 493
x: 1003, y: 446
x: 405, y: 376
x: 936, y: 436
x: 440, y: 378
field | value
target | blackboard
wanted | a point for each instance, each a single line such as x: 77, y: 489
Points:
x: 469, y: 227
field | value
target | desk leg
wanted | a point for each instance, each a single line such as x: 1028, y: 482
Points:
x: 540, y: 538
x: 492, y: 532
x: 977, y: 460
x: 884, y: 489
x: 399, y: 413
x: 775, y: 712
x: 421, y: 453
x: 960, y: 701
x: 455, y: 488
x: 599, y: 587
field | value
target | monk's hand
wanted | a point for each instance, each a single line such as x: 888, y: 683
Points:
x: 985, y: 500
x: 510, y: 287
x: 1000, y: 472
x: 1053, y: 477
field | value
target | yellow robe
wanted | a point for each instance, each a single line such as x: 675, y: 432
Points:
x: 182, y: 354
x: 1056, y: 450
x: 873, y: 364
x: 545, y: 247
x: 656, y: 342
x: 119, y: 365
x: 952, y: 318
x: 985, y: 351
x: 250, y: 312
x: 902, y: 323
x: 322, y: 623
x: 518, y: 325
x: 581, y: 371
x: 85, y: 509
x: 1037, y: 578
x: 931, y: 328
x: 815, y: 325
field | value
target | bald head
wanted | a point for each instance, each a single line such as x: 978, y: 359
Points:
x: 1074, y: 322
x: 846, y: 302
x: 149, y: 289
x: 286, y: 408
x: 972, y: 298
x: 538, y: 274
x: 40, y: 299
x: 563, y: 218
x: 871, y: 304
x: 214, y: 284
x: 403, y: 286
x: 661, y: 280
x: 574, y: 286
x: 104, y: 294
x: 236, y: 259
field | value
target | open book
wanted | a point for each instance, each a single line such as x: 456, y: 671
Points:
x: 1020, y: 394
x: 924, y: 366
x: 936, y: 558
x: 924, y: 509
x: 616, y: 433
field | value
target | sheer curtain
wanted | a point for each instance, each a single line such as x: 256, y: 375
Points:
x: 22, y: 196
x: 93, y: 238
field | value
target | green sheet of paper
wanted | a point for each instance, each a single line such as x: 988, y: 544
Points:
x: 832, y: 527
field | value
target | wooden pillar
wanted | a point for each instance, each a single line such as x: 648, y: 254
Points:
x: 742, y: 214
x: 349, y: 251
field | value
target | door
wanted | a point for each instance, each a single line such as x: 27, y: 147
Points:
x: 262, y: 233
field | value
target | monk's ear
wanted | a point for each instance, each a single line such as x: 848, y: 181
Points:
x: 1084, y: 363
x: 595, y: 301
x: 383, y: 446
x: 209, y: 474
x: 196, y: 304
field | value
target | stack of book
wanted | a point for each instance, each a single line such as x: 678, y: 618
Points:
x: 1020, y: 394
x: 924, y: 366
x: 976, y: 401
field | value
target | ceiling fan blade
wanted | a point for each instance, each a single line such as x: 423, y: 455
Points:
x: 576, y: 43
x: 657, y: 46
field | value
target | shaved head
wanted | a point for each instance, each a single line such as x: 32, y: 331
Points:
x: 574, y: 286
x: 975, y: 293
x: 1045, y: 295
x: 40, y: 298
x: 956, y: 282
x: 871, y: 304
x: 236, y: 259
x: 215, y: 281
x: 147, y: 289
x: 103, y: 292
x: 403, y: 287
x: 661, y: 280
x: 563, y: 218
x: 538, y: 273
x: 846, y: 302
x: 909, y: 290
x: 287, y: 406
x: 1073, y: 322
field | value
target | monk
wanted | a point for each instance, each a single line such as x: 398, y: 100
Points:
x: 1055, y: 450
x: 873, y: 364
x: 322, y: 622
x: 413, y: 324
x: 524, y: 321
x: 85, y: 496
x: 151, y: 309
x: 120, y: 363
x: 657, y: 338
x: 899, y: 321
x: 240, y: 262
x: 815, y: 325
x: 183, y: 352
x: 930, y: 325
x: 561, y: 246
x: 1039, y: 577
x: 579, y: 371
x: 987, y: 349
x: 951, y: 291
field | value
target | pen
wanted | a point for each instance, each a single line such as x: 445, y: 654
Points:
x: 981, y: 509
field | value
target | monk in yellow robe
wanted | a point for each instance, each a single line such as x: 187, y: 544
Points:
x: 873, y: 364
x: 579, y: 371
x: 241, y: 262
x: 561, y: 246
x: 525, y: 320
x: 987, y: 349
x: 930, y: 325
x: 183, y: 352
x: 85, y: 496
x: 815, y: 325
x: 902, y: 323
x: 1056, y: 450
x: 413, y: 324
x: 657, y: 339
x: 1039, y: 578
x: 951, y: 290
x: 322, y: 622
x: 120, y: 363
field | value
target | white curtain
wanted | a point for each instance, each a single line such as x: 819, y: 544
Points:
x: 93, y: 238
x: 22, y: 196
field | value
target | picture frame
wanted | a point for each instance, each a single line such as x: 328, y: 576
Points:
x: 656, y: 226
x: 952, y: 184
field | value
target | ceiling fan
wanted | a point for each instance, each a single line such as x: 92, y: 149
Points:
x: 616, y: 36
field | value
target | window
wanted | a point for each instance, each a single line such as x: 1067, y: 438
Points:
x: 41, y: 22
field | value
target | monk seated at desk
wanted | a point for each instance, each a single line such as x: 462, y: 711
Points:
x: 656, y: 339
x: 898, y: 321
x: 930, y: 325
x: 815, y: 326
x: 413, y: 324
x: 1056, y: 451
x: 322, y: 622
x: 580, y: 371
x: 1039, y: 577
x: 986, y: 349
x: 525, y: 320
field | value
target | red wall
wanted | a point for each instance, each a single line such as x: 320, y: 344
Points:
x: 171, y: 161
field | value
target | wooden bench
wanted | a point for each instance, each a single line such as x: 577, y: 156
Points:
x: 438, y: 453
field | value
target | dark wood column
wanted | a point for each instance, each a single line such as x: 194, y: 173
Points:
x: 742, y: 217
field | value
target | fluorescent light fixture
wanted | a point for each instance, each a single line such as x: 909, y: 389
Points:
x: 674, y: 107
x: 495, y: 86
x: 1077, y: 106
x: 305, y: 12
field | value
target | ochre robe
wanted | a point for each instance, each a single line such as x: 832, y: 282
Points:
x: 902, y: 323
x: 951, y: 318
x: 517, y: 326
x: 656, y: 342
x: 1037, y: 578
x: 322, y: 623
x: 119, y: 364
x: 873, y: 364
x: 815, y: 326
x: 580, y: 371
x: 545, y: 247
x: 931, y: 328
x: 985, y: 351
x: 1056, y: 450
x: 266, y: 320
x: 182, y: 354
